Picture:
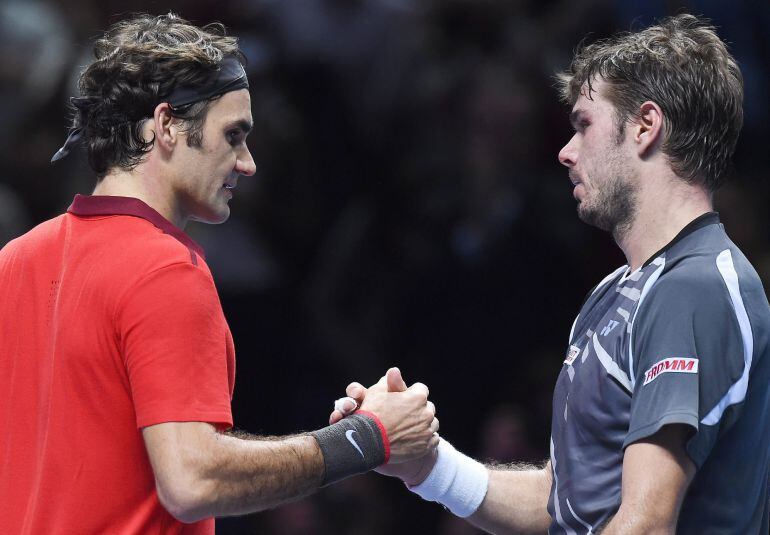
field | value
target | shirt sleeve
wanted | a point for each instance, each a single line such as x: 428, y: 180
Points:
x: 173, y: 336
x: 687, y: 352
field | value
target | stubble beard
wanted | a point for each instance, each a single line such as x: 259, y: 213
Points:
x: 614, y: 204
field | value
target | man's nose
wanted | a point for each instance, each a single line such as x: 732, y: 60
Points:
x: 245, y: 165
x: 568, y: 153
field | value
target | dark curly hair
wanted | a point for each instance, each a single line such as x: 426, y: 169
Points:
x: 138, y: 63
x: 683, y: 66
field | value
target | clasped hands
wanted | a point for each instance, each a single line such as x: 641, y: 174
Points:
x: 409, y: 420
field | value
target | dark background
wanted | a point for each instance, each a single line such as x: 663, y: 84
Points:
x: 408, y: 207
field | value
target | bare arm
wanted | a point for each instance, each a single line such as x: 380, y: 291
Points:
x: 656, y: 474
x: 201, y: 473
x: 516, y: 500
x: 517, y: 495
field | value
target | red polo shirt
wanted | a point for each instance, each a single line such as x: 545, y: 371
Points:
x: 109, y: 322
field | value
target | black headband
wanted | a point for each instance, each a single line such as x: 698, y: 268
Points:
x: 230, y: 76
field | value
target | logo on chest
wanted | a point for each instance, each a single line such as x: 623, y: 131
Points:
x: 673, y: 364
x: 608, y: 328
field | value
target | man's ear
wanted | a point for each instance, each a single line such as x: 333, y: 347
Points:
x: 648, y: 128
x: 165, y: 126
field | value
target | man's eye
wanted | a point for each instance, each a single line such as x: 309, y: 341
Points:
x: 580, y: 127
x: 234, y: 137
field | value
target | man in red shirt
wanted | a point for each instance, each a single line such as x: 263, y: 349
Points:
x: 116, y: 362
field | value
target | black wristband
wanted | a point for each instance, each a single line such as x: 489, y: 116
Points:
x: 352, y: 446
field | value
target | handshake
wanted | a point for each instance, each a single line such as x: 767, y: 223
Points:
x: 398, y: 431
x: 406, y: 420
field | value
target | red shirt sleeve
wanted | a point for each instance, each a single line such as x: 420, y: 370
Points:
x: 177, y: 348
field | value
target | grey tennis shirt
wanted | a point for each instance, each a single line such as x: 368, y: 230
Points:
x: 682, y: 340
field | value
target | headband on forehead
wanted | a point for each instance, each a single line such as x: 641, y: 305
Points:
x: 230, y: 76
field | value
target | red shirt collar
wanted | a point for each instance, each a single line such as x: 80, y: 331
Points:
x: 92, y: 205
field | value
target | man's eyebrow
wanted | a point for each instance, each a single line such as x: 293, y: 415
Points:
x: 243, y: 124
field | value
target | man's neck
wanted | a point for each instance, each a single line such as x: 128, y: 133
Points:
x: 140, y: 184
x: 667, y: 204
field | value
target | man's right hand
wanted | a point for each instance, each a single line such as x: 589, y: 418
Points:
x: 409, y: 461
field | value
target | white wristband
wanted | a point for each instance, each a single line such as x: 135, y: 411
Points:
x: 457, y: 482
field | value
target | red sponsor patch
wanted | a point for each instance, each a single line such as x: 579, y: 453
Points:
x: 672, y: 364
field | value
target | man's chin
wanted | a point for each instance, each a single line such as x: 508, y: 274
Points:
x: 593, y: 218
x: 213, y: 218
x: 584, y: 214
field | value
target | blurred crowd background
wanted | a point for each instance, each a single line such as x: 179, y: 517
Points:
x: 408, y: 207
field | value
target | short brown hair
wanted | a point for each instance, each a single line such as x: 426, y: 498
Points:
x: 138, y: 63
x: 684, y: 67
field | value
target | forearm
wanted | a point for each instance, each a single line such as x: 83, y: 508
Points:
x: 202, y: 473
x: 245, y: 476
x: 516, y: 500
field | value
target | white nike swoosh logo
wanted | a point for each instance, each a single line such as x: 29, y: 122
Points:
x: 349, y: 436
